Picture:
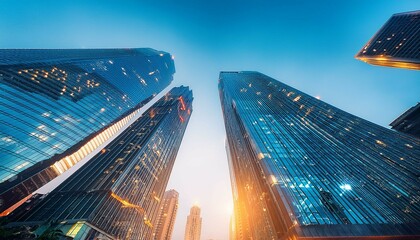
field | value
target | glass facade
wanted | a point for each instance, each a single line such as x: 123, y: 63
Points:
x: 117, y: 194
x: 396, y: 44
x: 54, y: 104
x: 303, y: 168
x: 408, y: 122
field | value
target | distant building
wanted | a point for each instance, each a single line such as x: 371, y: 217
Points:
x: 116, y: 194
x: 303, y: 169
x: 193, y: 227
x: 164, y: 225
x: 396, y: 44
x: 408, y: 122
x: 57, y: 106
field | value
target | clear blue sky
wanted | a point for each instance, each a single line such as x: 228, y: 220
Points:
x: 307, y: 44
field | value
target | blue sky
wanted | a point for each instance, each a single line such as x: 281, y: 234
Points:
x: 309, y: 45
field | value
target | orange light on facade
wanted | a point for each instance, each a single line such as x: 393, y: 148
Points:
x: 181, y: 99
x: 389, y: 62
x: 148, y: 223
x: 127, y: 203
x: 152, y: 113
x: 14, y: 206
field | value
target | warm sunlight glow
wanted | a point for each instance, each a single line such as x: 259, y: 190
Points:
x: 230, y: 209
x: 127, y: 203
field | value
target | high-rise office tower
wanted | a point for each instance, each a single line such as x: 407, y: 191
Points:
x: 301, y: 168
x: 165, y: 221
x: 193, y: 227
x: 408, y: 122
x: 58, y: 106
x: 396, y: 44
x: 116, y: 194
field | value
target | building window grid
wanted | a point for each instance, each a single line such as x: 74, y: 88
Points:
x: 15, y: 75
x: 168, y: 143
x: 378, y: 216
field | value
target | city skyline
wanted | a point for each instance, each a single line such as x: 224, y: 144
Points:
x: 301, y: 168
x: 305, y: 44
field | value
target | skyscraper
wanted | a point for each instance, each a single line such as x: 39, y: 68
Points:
x: 408, y: 122
x: 301, y: 168
x: 116, y: 194
x: 396, y: 44
x: 57, y: 106
x: 166, y: 217
x: 193, y: 227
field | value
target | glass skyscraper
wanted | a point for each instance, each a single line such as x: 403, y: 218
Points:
x: 117, y: 194
x: 396, y: 44
x: 301, y: 168
x: 408, y: 122
x: 57, y: 106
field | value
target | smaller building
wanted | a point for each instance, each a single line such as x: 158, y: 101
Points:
x: 396, y: 44
x: 193, y: 227
x: 165, y: 221
x: 408, y: 122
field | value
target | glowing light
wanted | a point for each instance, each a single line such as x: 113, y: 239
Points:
x: 148, y: 223
x: 389, y: 62
x: 346, y: 187
x: 21, y: 166
x: 408, y: 145
x: 65, y: 163
x: 75, y: 229
x: 381, y: 143
x: 274, y: 180
x: 183, y: 107
x: 152, y: 113
x: 318, y: 97
x: 127, y: 203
